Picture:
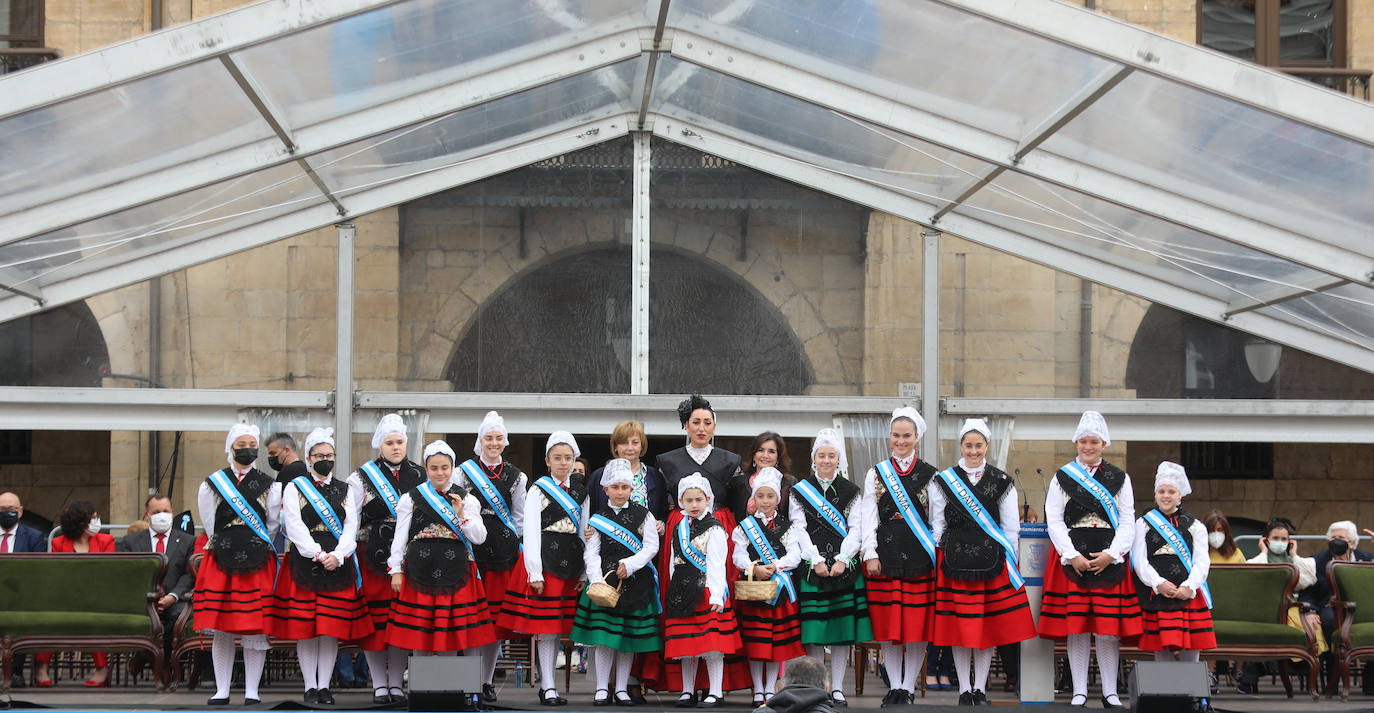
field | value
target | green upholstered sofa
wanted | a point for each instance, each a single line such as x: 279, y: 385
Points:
x: 88, y: 602
x: 1352, y: 583
x: 1250, y: 615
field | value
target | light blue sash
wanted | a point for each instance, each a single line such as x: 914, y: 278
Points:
x: 980, y: 515
x: 696, y: 557
x: 754, y: 532
x: 610, y: 528
x: 556, y: 493
x: 1156, y: 520
x: 906, y: 507
x: 382, y: 485
x: 306, y: 486
x: 450, y: 518
x: 487, y: 490
x: 1080, y: 475
x: 828, y: 512
x: 229, y: 492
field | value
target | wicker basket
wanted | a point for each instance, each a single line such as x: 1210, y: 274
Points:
x: 604, y: 595
x: 752, y: 590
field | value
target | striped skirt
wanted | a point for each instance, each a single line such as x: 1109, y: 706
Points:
x: 497, y: 582
x: 1189, y: 628
x: 377, y: 596
x: 902, y: 608
x: 978, y: 615
x: 838, y: 617
x: 626, y: 628
x: 441, y: 622
x: 299, y: 613
x: 550, y: 612
x: 236, y: 603
x: 1068, y: 608
x: 770, y: 632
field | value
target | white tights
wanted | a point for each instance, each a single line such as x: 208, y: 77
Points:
x: 715, y: 672
x: 765, y: 675
x: 603, y: 658
x: 222, y: 658
x: 903, y: 664
x: 981, y: 660
x: 839, y: 662
x: 387, y: 668
x: 317, y: 657
x: 1108, y: 656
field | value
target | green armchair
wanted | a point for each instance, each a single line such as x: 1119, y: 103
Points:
x: 1351, y: 583
x: 1250, y: 616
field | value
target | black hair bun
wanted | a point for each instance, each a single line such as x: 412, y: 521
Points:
x: 690, y: 404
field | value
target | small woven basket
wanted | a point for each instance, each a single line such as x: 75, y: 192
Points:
x: 604, y: 595
x: 752, y: 590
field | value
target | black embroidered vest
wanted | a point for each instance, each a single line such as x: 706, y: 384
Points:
x: 502, y: 548
x: 1165, y: 563
x: 970, y: 555
x: 640, y: 586
x: 686, y: 588
x: 236, y: 547
x: 561, y: 552
x: 776, y: 536
x: 436, y: 560
x: 899, y: 552
x: 309, y: 574
x: 844, y: 495
x: 376, y: 524
x: 1089, y: 526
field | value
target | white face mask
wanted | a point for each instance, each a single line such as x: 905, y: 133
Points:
x: 161, y: 522
x: 93, y: 528
x: 1216, y: 539
x: 1277, y: 547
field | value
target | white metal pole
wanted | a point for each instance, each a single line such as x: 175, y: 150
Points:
x: 930, y: 344
x: 639, y: 257
x: 343, y: 353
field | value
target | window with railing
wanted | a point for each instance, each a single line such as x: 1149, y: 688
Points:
x: 21, y: 35
x: 1306, y: 38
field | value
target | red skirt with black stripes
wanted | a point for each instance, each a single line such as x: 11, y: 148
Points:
x: 1188, y: 628
x: 902, y: 609
x: 770, y: 632
x: 498, y: 583
x: 377, y: 596
x: 978, y: 615
x: 299, y: 613
x: 236, y: 603
x: 701, y: 632
x: 1069, y: 608
x: 441, y: 622
x: 548, y: 612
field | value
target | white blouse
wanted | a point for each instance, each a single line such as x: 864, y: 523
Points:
x: 299, y: 534
x: 471, y: 526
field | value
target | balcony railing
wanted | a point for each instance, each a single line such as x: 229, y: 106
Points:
x: 1354, y: 82
x: 13, y: 59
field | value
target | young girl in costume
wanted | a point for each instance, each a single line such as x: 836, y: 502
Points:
x: 830, y: 592
x: 767, y: 543
x: 239, y: 506
x: 316, y: 600
x: 440, y: 602
x: 698, y: 621
x: 379, y: 484
x: 620, y: 551
x: 899, y: 556
x: 1171, y: 563
x: 1090, y: 516
x: 500, y: 490
x: 545, y: 603
x: 980, y: 598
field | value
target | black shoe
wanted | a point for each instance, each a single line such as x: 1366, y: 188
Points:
x: 1247, y: 688
x: 1076, y: 703
x: 312, y: 696
x: 758, y: 699
x: 380, y: 697
x: 908, y: 698
x: 597, y: 700
x: 966, y: 698
x: 686, y: 700
x: 892, y: 698
x: 636, y: 692
x: 326, y: 698
x: 17, y: 681
x: 711, y: 701
x: 1107, y: 702
x: 980, y: 698
x: 251, y: 701
x: 397, y: 697
x: 628, y: 700
x: 217, y: 702
x: 488, y: 693
x: 556, y: 700
x: 837, y: 699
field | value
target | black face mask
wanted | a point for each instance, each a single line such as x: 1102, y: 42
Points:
x: 1338, y: 546
x: 8, y: 519
x: 323, y: 467
x: 274, y: 463
x: 245, y: 456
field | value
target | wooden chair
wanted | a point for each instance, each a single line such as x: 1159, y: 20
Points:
x: 1351, y: 582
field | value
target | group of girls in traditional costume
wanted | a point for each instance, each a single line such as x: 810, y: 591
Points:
x: 460, y: 556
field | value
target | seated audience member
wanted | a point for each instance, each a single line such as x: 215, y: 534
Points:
x: 176, y: 545
x: 1277, y: 545
x: 804, y: 689
x: 1341, y: 538
x: 17, y: 537
x: 1220, y: 545
x: 80, y: 534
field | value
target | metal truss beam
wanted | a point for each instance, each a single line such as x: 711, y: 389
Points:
x: 159, y: 260
x: 1096, y: 268
x: 889, y: 113
x: 1283, y: 293
x: 291, y: 144
x: 43, y: 408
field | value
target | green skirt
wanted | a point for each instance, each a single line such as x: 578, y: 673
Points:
x: 834, y: 617
x: 632, y: 629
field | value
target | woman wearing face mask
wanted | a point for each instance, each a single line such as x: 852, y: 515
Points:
x: 378, y: 486
x: 1171, y: 565
x: 1277, y: 545
x: 1221, y: 548
x: 500, y: 489
x: 80, y: 533
x: 317, y: 601
x: 239, y: 506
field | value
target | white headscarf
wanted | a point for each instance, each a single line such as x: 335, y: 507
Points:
x: 491, y: 422
x: 698, y: 481
x: 911, y: 413
x: 769, y: 477
x: 237, y: 430
x: 831, y: 437
x: 556, y: 438
x: 1092, y: 424
x: 318, y: 436
x: 390, y: 423
x: 617, y: 471
x: 1172, y: 474
x: 976, y: 424
x: 439, y: 447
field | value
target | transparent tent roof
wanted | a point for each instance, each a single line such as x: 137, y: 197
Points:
x: 1041, y: 129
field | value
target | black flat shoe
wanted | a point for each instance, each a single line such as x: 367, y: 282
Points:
x: 966, y: 698
x: 251, y: 701
x: 217, y: 702
x: 628, y: 700
x: 597, y: 700
x: 980, y: 698
x: 398, y: 697
x: 1107, y: 702
x: 555, y: 700
x: 1078, y: 701
x: 312, y: 696
x: 488, y: 693
x: 890, y: 699
x: 326, y: 698
x: 711, y: 702
x: 837, y: 699
x: 637, y: 694
x: 380, y: 697
x: 686, y: 700
x: 758, y: 699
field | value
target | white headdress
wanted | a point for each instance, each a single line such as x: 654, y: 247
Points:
x: 617, y: 471
x: 830, y: 437
x: 490, y: 422
x: 911, y: 413
x: 769, y: 477
x: 1092, y: 424
x: 439, y: 447
x: 318, y: 436
x: 975, y: 424
x: 390, y: 423
x: 1172, y: 474
x: 698, y: 481
x: 563, y: 437
x: 237, y: 430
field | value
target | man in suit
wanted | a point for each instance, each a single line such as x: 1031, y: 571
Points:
x: 176, y: 544
x: 15, y: 536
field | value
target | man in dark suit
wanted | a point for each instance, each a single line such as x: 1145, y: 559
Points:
x: 15, y: 536
x: 176, y: 544
x: 1341, y: 538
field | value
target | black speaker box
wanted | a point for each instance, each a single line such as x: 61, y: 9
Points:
x: 445, y: 683
x: 1170, y: 687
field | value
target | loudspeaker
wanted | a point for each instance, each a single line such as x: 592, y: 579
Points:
x: 1170, y: 687
x: 445, y: 683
